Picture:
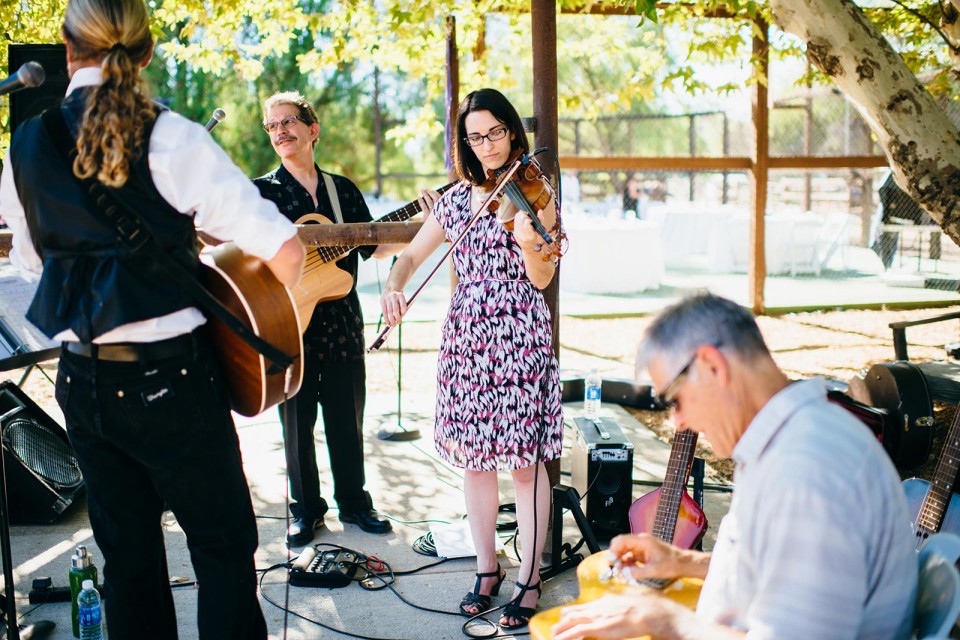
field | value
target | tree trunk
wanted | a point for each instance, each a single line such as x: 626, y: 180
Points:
x: 921, y: 143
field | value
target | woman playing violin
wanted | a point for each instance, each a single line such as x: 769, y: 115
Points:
x: 498, y: 389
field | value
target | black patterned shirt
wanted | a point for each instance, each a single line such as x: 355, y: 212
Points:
x: 335, y: 331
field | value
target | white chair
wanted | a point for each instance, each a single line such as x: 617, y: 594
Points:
x: 835, y: 236
x: 938, y: 590
x: 803, y: 249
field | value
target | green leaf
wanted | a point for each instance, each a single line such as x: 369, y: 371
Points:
x: 647, y: 10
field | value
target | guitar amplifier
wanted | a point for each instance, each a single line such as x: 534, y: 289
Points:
x: 602, y: 472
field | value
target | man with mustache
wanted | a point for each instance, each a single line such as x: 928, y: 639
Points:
x: 334, y: 374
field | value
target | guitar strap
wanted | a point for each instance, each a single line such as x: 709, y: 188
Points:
x: 332, y: 192
x: 135, y: 234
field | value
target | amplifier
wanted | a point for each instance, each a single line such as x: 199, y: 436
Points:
x: 602, y: 471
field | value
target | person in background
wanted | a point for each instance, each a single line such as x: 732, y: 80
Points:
x: 817, y: 542
x: 334, y: 373
x: 632, y: 193
x: 145, y: 404
x: 498, y: 386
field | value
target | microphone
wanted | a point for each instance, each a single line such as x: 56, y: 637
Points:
x: 30, y: 74
x: 215, y: 119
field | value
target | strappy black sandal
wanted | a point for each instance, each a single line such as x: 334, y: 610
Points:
x: 477, y: 600
x: 515, y: 611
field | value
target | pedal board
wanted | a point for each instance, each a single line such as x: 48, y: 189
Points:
x: 329, y: 569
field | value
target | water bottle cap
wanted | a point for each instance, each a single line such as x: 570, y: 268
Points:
x: 88, y: 584
x: 81, y: 559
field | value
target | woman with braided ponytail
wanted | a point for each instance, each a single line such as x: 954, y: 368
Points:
x: 145, y: 405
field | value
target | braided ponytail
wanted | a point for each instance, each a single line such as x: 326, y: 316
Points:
x: 116, y: 33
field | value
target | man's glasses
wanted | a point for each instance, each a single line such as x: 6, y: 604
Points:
x: 286, y: 123
x: 493, y: 135
x: 668, y: 397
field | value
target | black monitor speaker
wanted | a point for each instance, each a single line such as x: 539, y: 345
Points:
x: 42, y: 474
x: 602, y: 471
x: 30, y: 102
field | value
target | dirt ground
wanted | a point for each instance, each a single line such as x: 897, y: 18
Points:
x: 834, y: 344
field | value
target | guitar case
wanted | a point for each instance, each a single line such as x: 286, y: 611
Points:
x: 900, y: 388
x: 883, y: 425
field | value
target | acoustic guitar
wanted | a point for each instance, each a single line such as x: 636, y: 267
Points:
x: 935, y: 503
x: 247, y: 287
x: 322, y: 279
x: 670, y: 514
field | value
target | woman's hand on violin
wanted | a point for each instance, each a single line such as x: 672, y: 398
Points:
x: 394, y: 306
x: 428, y: 198
x: 524, y: 231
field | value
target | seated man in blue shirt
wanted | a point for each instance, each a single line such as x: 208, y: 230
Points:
x: 817, y: 542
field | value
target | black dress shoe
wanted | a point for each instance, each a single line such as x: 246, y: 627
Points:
x: 301, y: 531
x: 370, y: 521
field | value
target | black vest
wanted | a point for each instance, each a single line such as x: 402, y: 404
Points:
x: 91, y: 281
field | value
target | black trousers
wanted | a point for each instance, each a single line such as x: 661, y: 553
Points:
x: 149, y: 433
x: 340, y: 389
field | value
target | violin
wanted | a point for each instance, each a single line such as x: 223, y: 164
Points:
x: 529, y: 191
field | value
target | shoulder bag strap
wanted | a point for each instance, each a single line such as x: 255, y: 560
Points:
x: 332, y: 192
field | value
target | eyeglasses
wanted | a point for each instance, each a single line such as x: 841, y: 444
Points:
x: 667, y: 397
x: 493, y: 135
x: 286, y: 123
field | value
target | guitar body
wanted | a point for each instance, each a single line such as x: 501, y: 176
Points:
x: 916, y: 491
x: 247, y: 287
x: 691, y: 521
x: 685, y: 592
x: 321, y: 280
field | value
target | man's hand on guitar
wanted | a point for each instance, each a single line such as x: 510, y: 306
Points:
x: 428, y: 198
x: 649, y: 557
x: 394, y: 306
x: 619, y: 616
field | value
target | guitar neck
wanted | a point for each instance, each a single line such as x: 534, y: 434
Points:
x: 674, y: 484
x: 404, y: 213
x: 941, y: 487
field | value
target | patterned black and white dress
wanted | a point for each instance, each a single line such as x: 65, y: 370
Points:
x: 498, y: 385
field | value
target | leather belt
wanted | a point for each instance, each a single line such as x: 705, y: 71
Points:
x: 135, y: 351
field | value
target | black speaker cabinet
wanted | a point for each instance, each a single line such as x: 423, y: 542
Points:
x: 602, y: 470
x: 43, y: 477
x: 33, y: 101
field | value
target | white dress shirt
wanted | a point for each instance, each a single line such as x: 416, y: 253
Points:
x: 194, y: 175
x: 817, y: 542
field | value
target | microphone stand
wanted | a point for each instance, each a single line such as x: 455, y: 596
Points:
x: 400, y: 433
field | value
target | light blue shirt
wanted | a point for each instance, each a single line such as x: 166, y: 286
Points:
x: 817, y: 543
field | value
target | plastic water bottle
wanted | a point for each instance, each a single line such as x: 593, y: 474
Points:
x: 90, y: 613
x: 591, y: 396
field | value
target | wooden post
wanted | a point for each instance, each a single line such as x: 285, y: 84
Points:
x: 760, y: 169
x: 543, y: 21
x: 453, y: 106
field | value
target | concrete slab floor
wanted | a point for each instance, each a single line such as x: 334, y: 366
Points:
x: 409, y: 484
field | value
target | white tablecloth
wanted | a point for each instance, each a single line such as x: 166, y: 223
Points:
x: 612, y: 256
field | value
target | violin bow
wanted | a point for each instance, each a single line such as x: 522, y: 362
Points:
x: 495, y: 194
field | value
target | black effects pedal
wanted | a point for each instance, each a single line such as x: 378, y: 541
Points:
x: 330, y: 569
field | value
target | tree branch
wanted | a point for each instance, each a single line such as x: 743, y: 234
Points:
x: 924, y: 19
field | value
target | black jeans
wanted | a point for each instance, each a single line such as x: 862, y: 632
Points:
x: 153, y: 433
x: 340, y: 388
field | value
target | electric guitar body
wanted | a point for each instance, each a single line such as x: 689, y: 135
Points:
x: 935, y: 503
x: 685, y: 591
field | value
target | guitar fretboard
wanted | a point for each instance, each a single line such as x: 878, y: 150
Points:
x: 937, y: 500
x: 674, y: 485
x: 404, y: 213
